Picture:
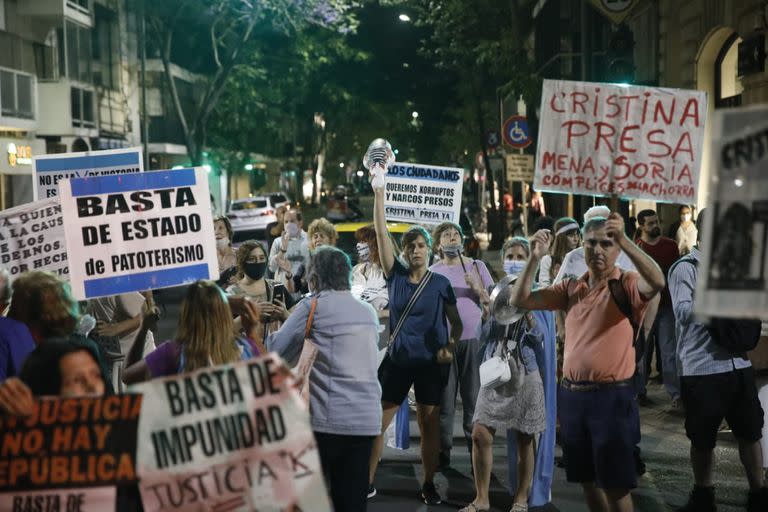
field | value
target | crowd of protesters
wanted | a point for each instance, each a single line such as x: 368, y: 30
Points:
x: 589, y: 305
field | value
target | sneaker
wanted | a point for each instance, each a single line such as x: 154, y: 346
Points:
x: 429, y: 494
x: 758, y: 500
x: 676, y: 407
x: 701, y: 499
x: 371, y: 491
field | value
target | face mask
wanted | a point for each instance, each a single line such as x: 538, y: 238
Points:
x: 292, y: 228
x: 255, y: 270
x: 513, y: 267
x: 452, y: 250
x: 363, y: 252
x: 221, y: 243
x: 686, y: 217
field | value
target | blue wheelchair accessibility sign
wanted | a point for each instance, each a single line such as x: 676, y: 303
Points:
x: 516, y: 132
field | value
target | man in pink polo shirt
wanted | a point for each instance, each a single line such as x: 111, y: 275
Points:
x: 599, y: 420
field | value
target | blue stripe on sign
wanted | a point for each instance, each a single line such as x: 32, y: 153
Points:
x: 145, y: 280
x: 95, y: 185
x: 96, y: 161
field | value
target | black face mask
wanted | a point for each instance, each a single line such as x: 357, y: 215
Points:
x: 255, y: 270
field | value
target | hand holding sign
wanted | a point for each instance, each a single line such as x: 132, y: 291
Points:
x: 614, y: 227
x: 16, y: 398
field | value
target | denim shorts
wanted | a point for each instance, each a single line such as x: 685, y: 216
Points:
x: 599, y: 430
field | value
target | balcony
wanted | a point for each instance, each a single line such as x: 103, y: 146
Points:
x: 53, y: 10
x: 17, y: 99
x: 67, y: 108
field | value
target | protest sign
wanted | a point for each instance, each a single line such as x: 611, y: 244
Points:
x: 423, y: 194
x: 70, y: 454
x: 136, y: 232
x: 49, y: 170
x: 635, y: 142
x: 732, y: 279
x: 32, y: 238
x: 228, y: 438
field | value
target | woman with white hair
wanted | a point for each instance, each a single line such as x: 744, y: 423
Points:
x: 524, y: 407
x: 344, y: 391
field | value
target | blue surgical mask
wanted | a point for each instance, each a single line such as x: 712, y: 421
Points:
x: 513, y: 267
x: 452, y: 250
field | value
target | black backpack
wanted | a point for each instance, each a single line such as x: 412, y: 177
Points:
x: 736, y: 335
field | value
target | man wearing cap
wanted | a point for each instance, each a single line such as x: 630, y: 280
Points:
x: 599, y: 418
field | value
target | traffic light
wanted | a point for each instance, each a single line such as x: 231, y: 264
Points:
x: 621, y: 56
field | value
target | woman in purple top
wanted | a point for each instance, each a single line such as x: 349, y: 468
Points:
x: 470, y: 280
x: 205, y: 336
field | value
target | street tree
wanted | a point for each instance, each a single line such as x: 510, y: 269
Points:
x: 213, y: 37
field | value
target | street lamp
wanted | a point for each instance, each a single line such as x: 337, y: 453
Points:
x: 415, y: 114
x: 404, y: 17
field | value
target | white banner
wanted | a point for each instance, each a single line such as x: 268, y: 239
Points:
x: 423, y: 194
x: 227, y: 438
x: 32, y: 238
x: 637, y: 142
x: 137, y: 232
x: 49, y: 170
x: 732, y: 278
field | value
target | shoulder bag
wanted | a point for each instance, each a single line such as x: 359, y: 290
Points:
x: 308, y: 355
x: 506, y: 368
x: 407, y: 311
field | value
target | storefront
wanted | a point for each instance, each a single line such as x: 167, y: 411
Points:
x: 16, y: 169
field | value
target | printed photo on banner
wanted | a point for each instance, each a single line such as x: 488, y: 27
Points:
x: 236, y: 437
x: 32, y: 238
x: 137, y: 232
x: 423, y: 194
x: 50, y: 170
x: 637, y: 142
x: 70, y: 454
x: 734, y: 255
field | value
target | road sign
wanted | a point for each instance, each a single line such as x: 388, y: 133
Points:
x: 516, y: 132
x: 615, y: 10
x: 519, y: 167
x: 492, y: 139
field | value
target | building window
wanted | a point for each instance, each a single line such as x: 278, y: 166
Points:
x: 106, y: 49
x: 16, y: 98
x: 728, y: 87
x: 77, y: 46
x: 79, y: 5
x: 82, y: 108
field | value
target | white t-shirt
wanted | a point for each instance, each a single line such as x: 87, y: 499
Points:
x: 118, y: 308
x: 370, y: 285
x: 575, y: 264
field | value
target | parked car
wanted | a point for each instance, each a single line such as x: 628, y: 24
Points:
x: 250, y: 216
x: 342, y: 206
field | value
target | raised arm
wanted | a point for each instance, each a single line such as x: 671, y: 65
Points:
x: 651, y: 279
x: 523, y: 295
x: 386, y: 254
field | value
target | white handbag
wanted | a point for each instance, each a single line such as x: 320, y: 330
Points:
x: 506, y: 367
x: 495, y: 372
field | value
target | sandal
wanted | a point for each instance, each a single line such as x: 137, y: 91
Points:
x: 473, y: 508
x: 519, y: 507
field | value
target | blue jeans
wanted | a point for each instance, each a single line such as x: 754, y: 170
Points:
x: 664, y: 331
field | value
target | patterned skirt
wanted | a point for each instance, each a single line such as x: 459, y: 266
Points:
x: 523, y: 411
